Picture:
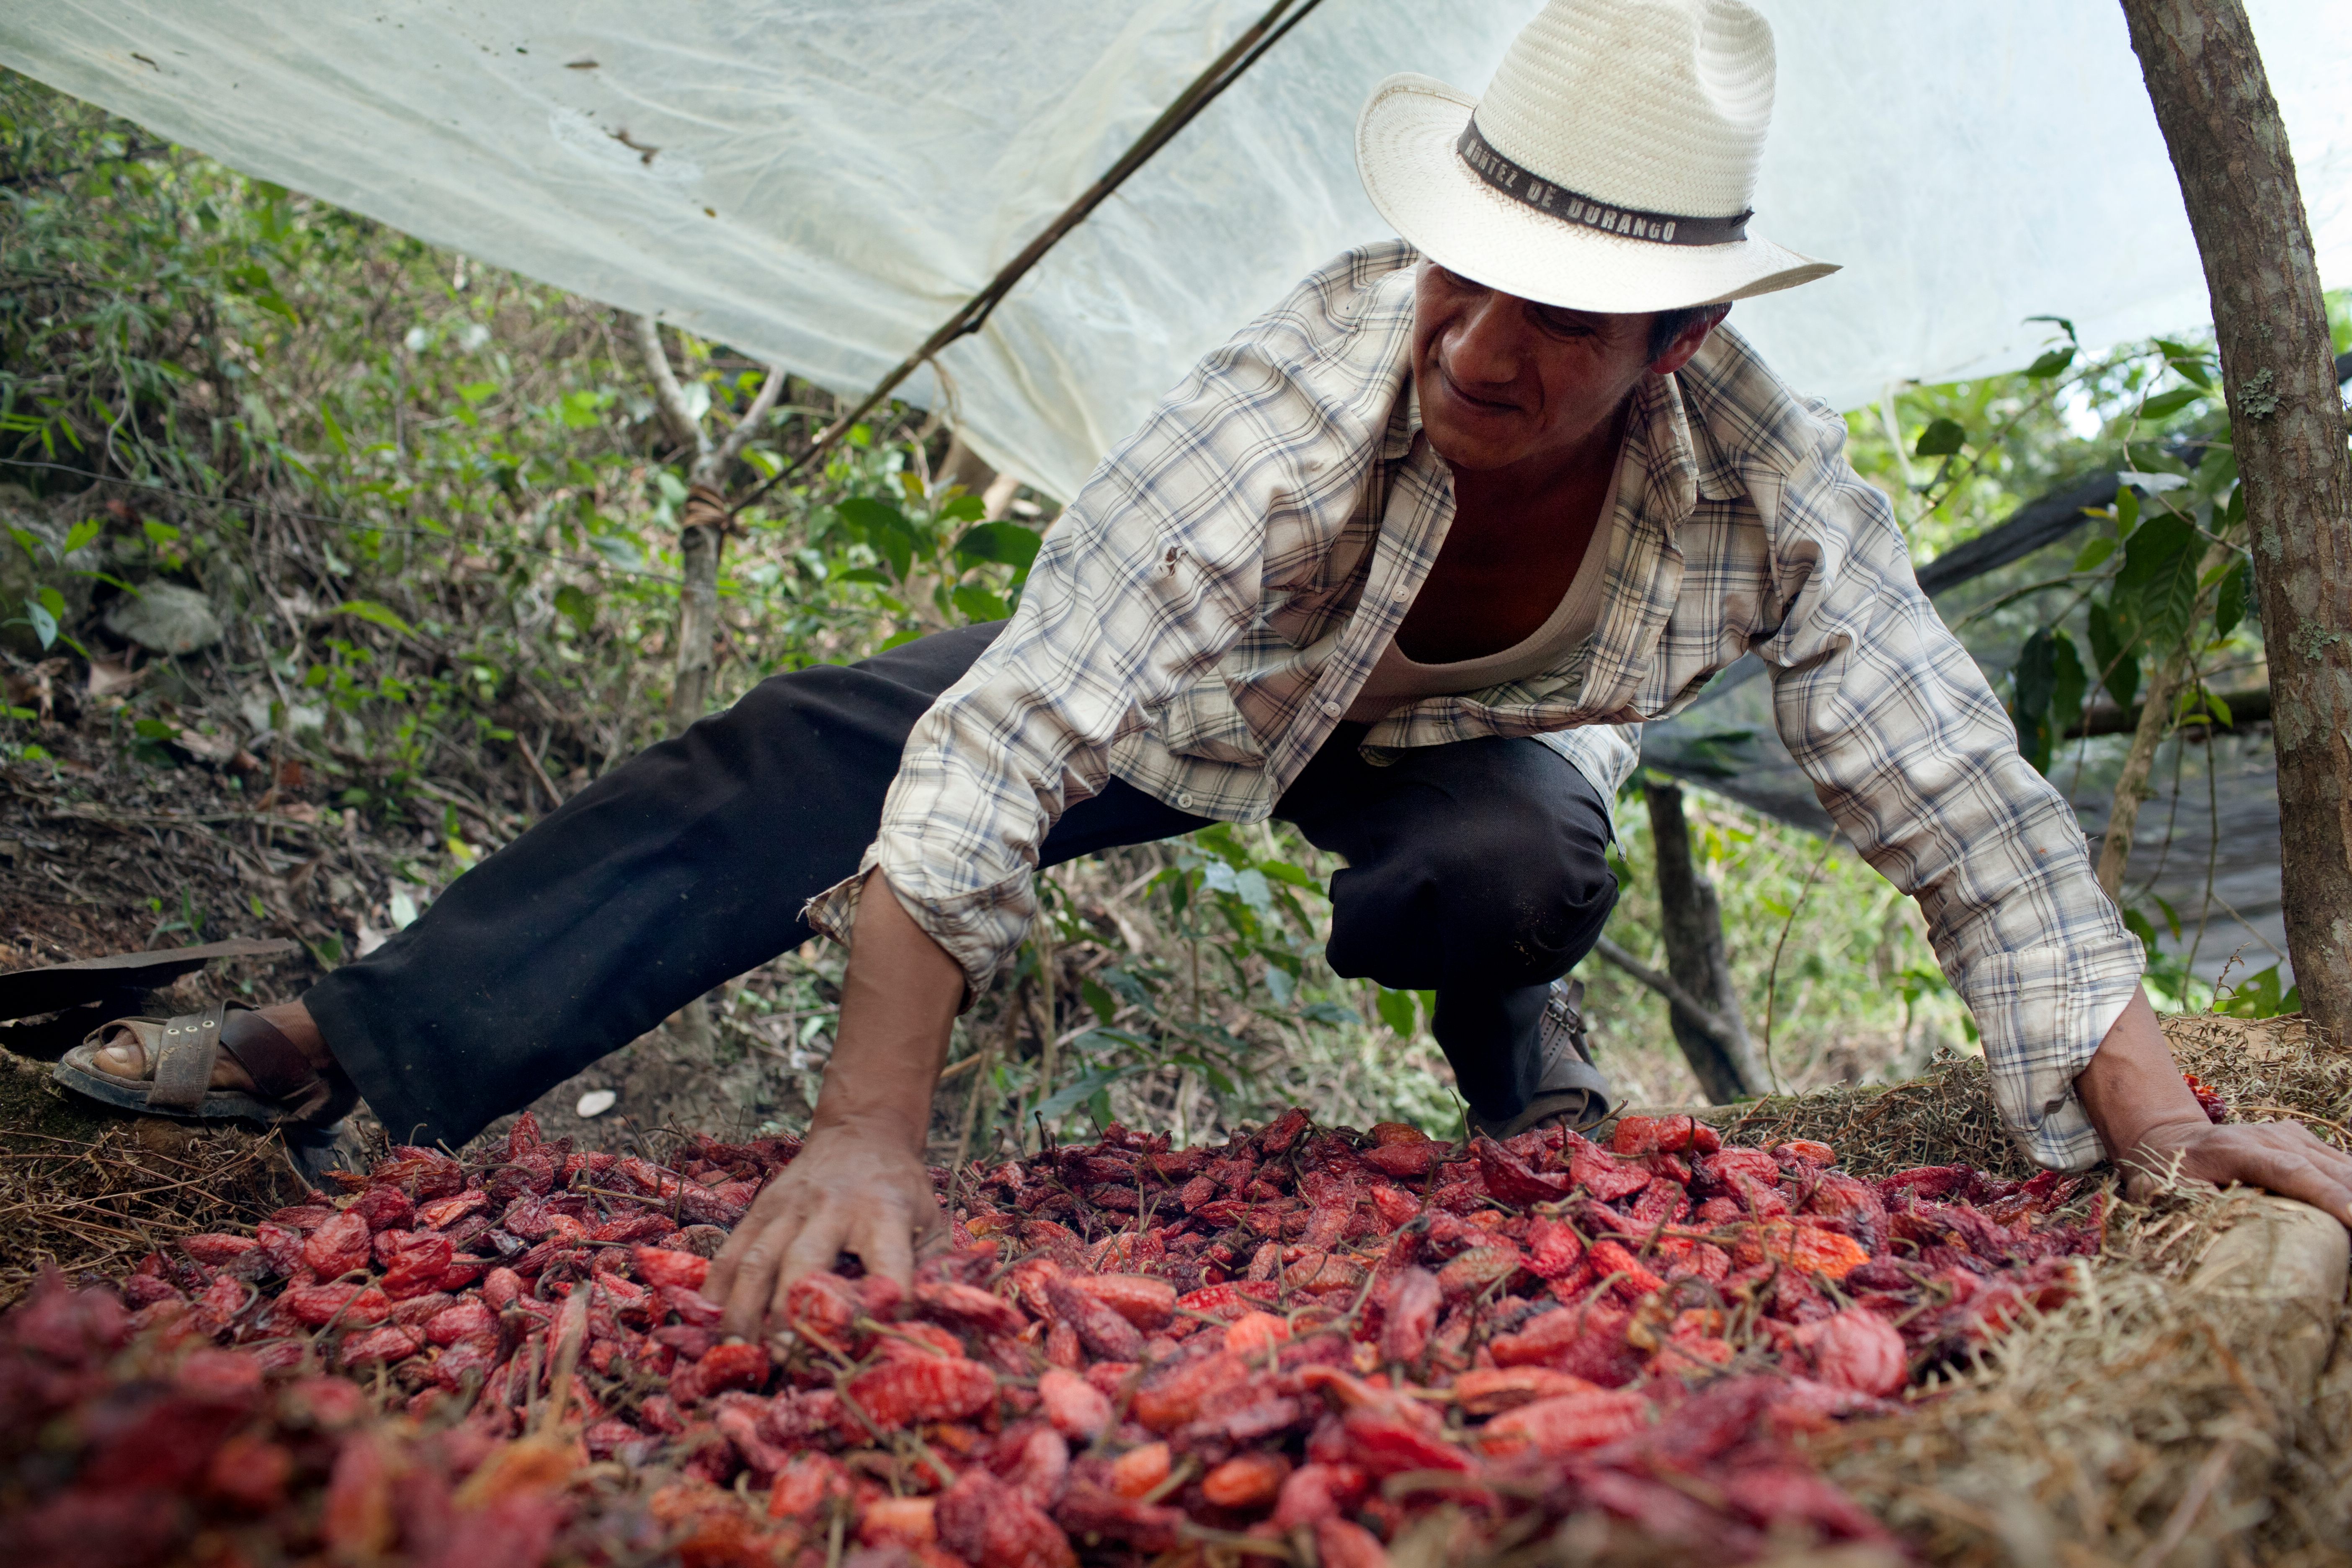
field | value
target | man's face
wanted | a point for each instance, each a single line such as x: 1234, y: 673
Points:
x: 1505, y: 381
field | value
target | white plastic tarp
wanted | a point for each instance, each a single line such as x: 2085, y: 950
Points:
x: 822, y: 182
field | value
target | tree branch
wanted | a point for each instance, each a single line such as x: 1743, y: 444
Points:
x: 712, y: 468
x: 1665, y: 986
x: 669, y: 396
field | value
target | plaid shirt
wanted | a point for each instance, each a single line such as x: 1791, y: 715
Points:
x: 1202, y: 614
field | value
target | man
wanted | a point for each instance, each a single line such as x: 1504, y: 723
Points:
x: 1404, y: 564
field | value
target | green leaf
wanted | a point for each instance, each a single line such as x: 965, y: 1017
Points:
x: 2216, y: 474
x: 1099, y: 998
x: 868, y: 515
x: 622, y: 552
x: 1398, y: 1012
x: 1005, y: 542
x: 579, y: 410
x: 380, y: 615
x: 1091, y: 1083
x: 2093, y: 553
x: 2230, y: 599
x: 2159, y: 579
x: 2114, y: 658
x: 2050, y: 365
x: 159, y: 534
x: 2166, y: 403
x: 978, y: 604
x: 33, y: 543
x: 576, y: 607
x: 2126, y: 511
x: 52, y: 600
x: 964, y: 509
x: 890, y: 531
x: 1217, y: 1078
x: 475, y: 392
x: 82, y: 533
x: 334, y: 431
x: 44, y: 625
x: 2036, y: 676
x: 2258, y: 996
x: 2194, y: 365
x: 1941, y: 438
x: 2070, y: 683
x: 2219, y: 710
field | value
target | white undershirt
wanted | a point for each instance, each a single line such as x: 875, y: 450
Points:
x: 1397, y: 680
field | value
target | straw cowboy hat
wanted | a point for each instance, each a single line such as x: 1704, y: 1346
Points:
x: 1610, y: 166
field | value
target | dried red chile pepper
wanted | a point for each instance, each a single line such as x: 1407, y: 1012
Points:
x: 1130, y: 1341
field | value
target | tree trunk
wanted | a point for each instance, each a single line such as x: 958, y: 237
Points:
x: 1691, y: 920
x: 2213, y: 103
x: 698, y: 612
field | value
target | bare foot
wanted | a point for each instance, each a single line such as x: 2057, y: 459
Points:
x: 130, y: 1049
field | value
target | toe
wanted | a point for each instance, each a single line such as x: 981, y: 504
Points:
x: 122, y: 1054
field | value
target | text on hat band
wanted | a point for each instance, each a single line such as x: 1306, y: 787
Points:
x: 1530, y: 190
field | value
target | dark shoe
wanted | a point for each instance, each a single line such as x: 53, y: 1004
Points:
x: 1570, y: 1091
x: 178, y: 1055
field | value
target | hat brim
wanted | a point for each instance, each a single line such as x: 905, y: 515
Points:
x: 1406, y: 155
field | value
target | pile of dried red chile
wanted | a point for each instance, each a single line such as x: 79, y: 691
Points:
x: 1302, y: 1344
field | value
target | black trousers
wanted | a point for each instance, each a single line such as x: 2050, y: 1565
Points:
x: 1475, y: 869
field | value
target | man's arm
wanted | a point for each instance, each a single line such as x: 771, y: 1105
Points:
x: 859, y: 1184
x: 2150, y: 1123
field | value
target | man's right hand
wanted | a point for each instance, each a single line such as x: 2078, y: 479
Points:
x: 850, y: 1190
x: 859, y: 1184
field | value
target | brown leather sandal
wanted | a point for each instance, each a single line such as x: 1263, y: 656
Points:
x: 180, y: 1053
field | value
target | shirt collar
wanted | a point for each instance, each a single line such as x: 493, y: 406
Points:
x: 1404, y: 422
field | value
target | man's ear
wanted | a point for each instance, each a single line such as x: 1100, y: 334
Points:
x: 1686, y: 341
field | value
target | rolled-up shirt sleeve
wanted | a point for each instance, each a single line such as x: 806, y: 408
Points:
x: 1147, y: 577
x: 1916, y: 760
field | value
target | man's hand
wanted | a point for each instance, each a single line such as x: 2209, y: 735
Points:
x: 848, y: 1191
x: 858, y: 1184
x: 2152, y: 1126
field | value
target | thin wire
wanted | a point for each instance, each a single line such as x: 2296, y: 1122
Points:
x: 1221, y: 74
x: 1772, y: 976
x: 2213, y: 857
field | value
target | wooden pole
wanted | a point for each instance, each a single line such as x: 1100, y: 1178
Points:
x: 2228, y: 146
x: 1690, y: 918
x: 702, y: 532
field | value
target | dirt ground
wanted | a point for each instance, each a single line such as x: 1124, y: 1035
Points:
x: 102, y: 852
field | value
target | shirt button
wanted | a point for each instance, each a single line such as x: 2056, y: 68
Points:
x: 1333, y: 708
x: 1185, y: 797
x: 1399, y: 593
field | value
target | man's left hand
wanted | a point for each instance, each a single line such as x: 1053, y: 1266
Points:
x: 2281, y: 1157
x: 2154, y: 1128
